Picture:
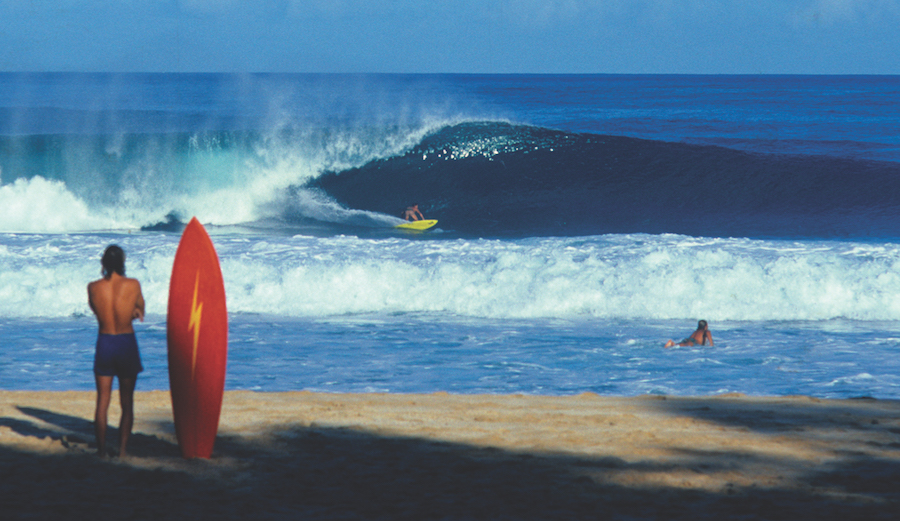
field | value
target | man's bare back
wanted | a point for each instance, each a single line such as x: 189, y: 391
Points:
x: 117, y: 301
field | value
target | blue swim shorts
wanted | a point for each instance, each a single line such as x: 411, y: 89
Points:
x: 117, y: 355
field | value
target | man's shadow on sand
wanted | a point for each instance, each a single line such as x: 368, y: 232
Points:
x: 74, y: 432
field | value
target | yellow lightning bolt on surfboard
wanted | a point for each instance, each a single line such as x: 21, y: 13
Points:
x: 194, y: 324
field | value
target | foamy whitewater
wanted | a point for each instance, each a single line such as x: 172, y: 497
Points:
x: 583, y: 221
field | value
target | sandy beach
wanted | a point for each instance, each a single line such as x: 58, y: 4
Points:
x: 439, y: 456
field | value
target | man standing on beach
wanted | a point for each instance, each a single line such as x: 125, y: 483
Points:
x: 117, y: 301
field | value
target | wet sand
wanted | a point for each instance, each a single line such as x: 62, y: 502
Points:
x: 453, y: 457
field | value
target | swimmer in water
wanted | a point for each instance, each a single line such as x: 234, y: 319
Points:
x: 697, y: 338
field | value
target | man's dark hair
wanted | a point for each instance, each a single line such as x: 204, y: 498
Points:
x: 113, y: 261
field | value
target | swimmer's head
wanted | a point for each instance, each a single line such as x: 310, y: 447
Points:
x: 113, y: 261
x: 702, y: 324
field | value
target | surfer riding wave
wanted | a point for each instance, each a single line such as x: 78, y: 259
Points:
x: 412, y: 213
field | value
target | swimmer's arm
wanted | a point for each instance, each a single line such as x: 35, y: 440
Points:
x: 709, y: 336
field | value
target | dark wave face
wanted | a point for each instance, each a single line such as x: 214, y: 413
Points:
x: 497, y: 179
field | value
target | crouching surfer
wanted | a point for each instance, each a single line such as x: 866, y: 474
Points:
x: 412, y: 213
x: 697, y: 338
x: 116, y: 300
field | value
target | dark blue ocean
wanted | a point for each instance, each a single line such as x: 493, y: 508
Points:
x: 583, y: 221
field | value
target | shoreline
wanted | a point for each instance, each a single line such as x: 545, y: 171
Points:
x: 305, y: 455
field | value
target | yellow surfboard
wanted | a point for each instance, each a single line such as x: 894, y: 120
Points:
x: 417, y: 226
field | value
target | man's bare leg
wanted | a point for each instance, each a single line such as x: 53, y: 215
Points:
x: 126, y: 400
x: 104, y: 391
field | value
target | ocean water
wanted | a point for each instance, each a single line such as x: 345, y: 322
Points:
x: 583, y: 221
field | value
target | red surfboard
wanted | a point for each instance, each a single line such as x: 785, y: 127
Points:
x: 197, y: 335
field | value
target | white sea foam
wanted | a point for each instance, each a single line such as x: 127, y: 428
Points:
x: 41, y: 205
x: 628, y: 276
